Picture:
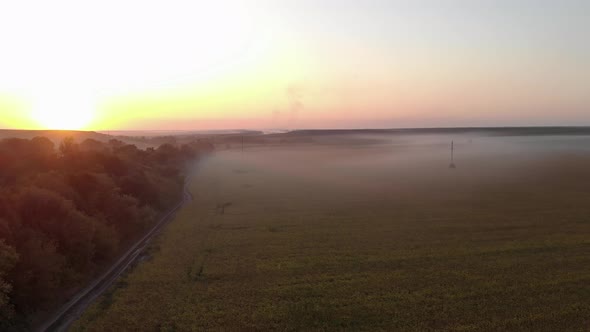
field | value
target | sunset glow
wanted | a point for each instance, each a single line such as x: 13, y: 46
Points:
x: 205, y: 65
x: 71, y: 111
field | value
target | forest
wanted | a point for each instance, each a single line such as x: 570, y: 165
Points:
x: 67, y: 210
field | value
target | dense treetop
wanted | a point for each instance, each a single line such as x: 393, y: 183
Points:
x: 67, y: 210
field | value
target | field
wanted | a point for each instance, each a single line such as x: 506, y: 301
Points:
x: 379, y: 235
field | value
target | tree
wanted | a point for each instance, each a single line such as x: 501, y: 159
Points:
x: 43, y: 146
x: 59, y: 220
x: 8, y: 258
x: 68, y: 146
x: 92, y: 145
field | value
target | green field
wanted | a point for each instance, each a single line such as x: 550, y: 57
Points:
x: 326, y: 238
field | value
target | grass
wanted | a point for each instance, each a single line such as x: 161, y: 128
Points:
x: 317, y: 247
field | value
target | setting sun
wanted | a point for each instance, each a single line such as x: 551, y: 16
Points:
x: 73, y: 112
x: 86, y: 63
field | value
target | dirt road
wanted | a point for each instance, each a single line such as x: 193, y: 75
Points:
x: 70, y: 311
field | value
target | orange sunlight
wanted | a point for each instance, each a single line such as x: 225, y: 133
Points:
x: 82, y: 69
x: 74, y: 111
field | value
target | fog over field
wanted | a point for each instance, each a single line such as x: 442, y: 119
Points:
x: 419, y: 162
x: 371, y: 231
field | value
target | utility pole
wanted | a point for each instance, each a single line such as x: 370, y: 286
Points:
x: 452, y: 165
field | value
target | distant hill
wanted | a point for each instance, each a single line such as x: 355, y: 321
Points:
x: 144, y: 139
x: 55, y: 135
x: 492, y: 131
x: 155, y: 138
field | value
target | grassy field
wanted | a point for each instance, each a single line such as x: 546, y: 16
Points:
x: 337, y: 239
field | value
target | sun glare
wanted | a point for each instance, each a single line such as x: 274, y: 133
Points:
x: 194, y: 45
x: 67, y: 113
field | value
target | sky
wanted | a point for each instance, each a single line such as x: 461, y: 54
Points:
x: 282, y: 64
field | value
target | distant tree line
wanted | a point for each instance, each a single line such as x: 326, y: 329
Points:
x: 67, y: 211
